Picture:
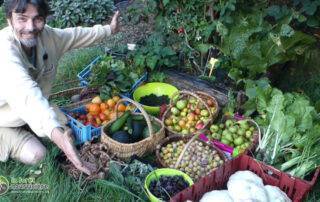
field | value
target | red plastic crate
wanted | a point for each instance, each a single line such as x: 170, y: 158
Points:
x: 295, y: 188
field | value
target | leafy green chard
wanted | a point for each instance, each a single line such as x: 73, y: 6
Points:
x: 289, y: 125
x: 114, y: 76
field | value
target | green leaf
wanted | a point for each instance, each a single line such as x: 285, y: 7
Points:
x: 152, y: 61
x: 309, y: 7
x: 286, y: 30
x: 165, y: 2
x: 203, y: 48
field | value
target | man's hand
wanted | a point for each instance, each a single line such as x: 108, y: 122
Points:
x: 64, y: 141
x: 114, y: 25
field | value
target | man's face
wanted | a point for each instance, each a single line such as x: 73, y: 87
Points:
x: 27, y: 26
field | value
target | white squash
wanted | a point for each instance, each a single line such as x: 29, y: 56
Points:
x: 276, y: 195
x: 248, y: 176
x: 245, y: 190
x: 217, y: 196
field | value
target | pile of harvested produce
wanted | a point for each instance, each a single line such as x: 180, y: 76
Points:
x: 95, y: 153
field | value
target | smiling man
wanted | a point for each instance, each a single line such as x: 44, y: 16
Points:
x: 30, y: 51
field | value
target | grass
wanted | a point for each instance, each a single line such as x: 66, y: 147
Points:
x: 72, y: 63
x: 61, y: 186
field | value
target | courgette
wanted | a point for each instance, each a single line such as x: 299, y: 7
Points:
x: 119, y: 123
x: 138, y: 117
x: 137, y: 129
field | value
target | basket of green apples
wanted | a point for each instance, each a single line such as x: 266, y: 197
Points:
x: 242, y: 135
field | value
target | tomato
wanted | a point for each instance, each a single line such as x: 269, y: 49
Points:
x: 104, y: 106
x: 121, y: 108
x: 94, y: 109
x: 98, y: 121
x: 96, y: 100
x: 103, y: 116
x: 111, y: 103
x: 116, y: 98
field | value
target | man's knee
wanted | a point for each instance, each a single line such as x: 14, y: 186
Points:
x: 32, y: 152
x: 37, y: 156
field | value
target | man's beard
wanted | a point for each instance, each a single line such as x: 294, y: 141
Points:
x: 29, y: 42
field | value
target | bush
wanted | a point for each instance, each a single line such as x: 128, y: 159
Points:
x: 70, y: 13
x: 3, y: 21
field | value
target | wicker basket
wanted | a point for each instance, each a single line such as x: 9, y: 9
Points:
x: 74, y: 91
x: 184, y: 94
x: 187, y: 140
x: 125, y: 151
x: 205, y: 96
x: 256, y: 134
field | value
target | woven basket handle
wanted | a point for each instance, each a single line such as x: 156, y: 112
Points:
x: 192, y: 94
x: 185, y: 149
x: 143, y: 112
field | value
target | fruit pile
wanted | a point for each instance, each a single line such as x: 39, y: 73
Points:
x: 237, y: 134
x: 198, y: 160
x: 100, y: 112
x: 167, y: 186
x: 187, y: 116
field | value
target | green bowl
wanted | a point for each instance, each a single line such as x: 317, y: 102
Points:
x: 156, y: 88
x: 163, y: 172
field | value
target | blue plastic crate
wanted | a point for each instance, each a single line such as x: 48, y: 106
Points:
x: 85, y: 73
x: 82, y: 133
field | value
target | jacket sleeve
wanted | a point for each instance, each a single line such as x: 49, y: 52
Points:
x: 24, y: 96
x: 78, y: 37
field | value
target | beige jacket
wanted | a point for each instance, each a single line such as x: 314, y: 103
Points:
x: 24, y: 89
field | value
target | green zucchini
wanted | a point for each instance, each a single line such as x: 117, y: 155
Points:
x: 119, y: 123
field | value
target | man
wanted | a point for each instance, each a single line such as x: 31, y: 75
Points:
x: 30, y: 51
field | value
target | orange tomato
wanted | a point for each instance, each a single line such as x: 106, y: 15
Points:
x: 104, y: 106
x: 103, y: 117
x: 111, y: 103
x: 94, y: 109
x: 121, y: 108
x: 98, y: 121
x: 112, y: 115
x: 107, y: 112
x: 116, y: 98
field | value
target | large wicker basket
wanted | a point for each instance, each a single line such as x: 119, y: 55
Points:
x: 125, y: 151
x: 184, y: 94
x: 187, y: 140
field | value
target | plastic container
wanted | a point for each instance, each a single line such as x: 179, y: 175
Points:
x: 82, y: 133
x: 163, y: 172
x: 84, y: 75
x: 156, y: 88
x: 295, y: 188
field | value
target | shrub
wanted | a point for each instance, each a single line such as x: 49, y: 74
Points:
x: 70, y: 13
